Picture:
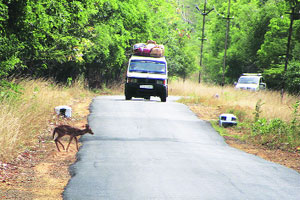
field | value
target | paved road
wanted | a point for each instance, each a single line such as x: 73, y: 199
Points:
x: 148, y: 150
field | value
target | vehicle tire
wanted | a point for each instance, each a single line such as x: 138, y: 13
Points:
x: 127, y: 97
x: 127, y: 94
x: 147, y: 98
x: 163, y: 96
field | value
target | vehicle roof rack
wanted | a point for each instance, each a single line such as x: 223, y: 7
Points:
x: 251, y: 74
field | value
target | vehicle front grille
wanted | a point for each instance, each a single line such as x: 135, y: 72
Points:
x: 145, y: 80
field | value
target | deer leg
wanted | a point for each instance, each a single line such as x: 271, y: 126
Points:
x: 71, y: 138
x: 57, y: 145
x: 61, y: 144
x: 57, y: 141
x: 76, y: 143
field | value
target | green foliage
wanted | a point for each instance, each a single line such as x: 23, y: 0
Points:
x: 64, y: 39
x: 221, y: 130
x: 9, y: 90
x: 272, y: 133
x: 293, y: 77
x: 271, y: 52
x: 274, y: 76
x: 277, y: 133
x: 61, y: 39
x: 10, y: 49
x: 181, y: 59
x: 69, y: 81
x: 237, y: 112
x: 257, y: 39
x: 271, y: 127
x: 295, y: 122
x: 257, y: 111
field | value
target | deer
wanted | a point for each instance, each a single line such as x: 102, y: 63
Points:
x: 73, y: 132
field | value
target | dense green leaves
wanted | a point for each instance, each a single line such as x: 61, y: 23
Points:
x: 293, y: 77
x: 63, y: 38
x: 257, y: 40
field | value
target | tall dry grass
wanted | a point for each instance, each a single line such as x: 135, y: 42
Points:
x: 229, y: 98
x: 24, y: 119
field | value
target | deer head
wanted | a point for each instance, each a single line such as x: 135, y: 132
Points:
x: 88, y: 129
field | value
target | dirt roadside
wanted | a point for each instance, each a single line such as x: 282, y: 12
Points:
x: 42, y: 173
x: 288, y: 159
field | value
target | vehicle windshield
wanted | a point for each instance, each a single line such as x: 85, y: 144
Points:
x: 147, y: 66
x: 248, y: 80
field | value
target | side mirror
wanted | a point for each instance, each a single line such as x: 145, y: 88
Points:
x: 262, y: 86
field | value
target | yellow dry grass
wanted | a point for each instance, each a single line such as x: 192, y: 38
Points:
x: 229, y: 98
x: 24, y: 119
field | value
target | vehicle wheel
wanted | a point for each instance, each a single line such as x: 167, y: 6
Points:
x: 127, y: 94
x: 147, y: 98
x: 127, y: 97
x: 163, y: 98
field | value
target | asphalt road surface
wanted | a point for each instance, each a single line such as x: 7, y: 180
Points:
x: 149, y: 150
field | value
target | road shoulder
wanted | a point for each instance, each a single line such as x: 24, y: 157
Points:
x: 288, y: 159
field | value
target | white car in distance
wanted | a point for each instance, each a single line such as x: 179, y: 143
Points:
x: 251, y: 82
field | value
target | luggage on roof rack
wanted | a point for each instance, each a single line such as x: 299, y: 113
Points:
x: 149, y: 49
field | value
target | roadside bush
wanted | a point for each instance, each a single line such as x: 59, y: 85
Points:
x: 9, y: 90
x: 237, y: 111
x: 293, y: 78
x: 276, y: 133
x: 273, y: 133
x: 275, y: 78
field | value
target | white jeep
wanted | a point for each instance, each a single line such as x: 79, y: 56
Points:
x: 146, y: 77
x: 251, y: 81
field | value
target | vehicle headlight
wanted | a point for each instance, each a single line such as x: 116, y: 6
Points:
x: 162, y: 82
x: 131, y: 80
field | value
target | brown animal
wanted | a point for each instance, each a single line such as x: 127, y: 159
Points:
x: 73, y: 132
